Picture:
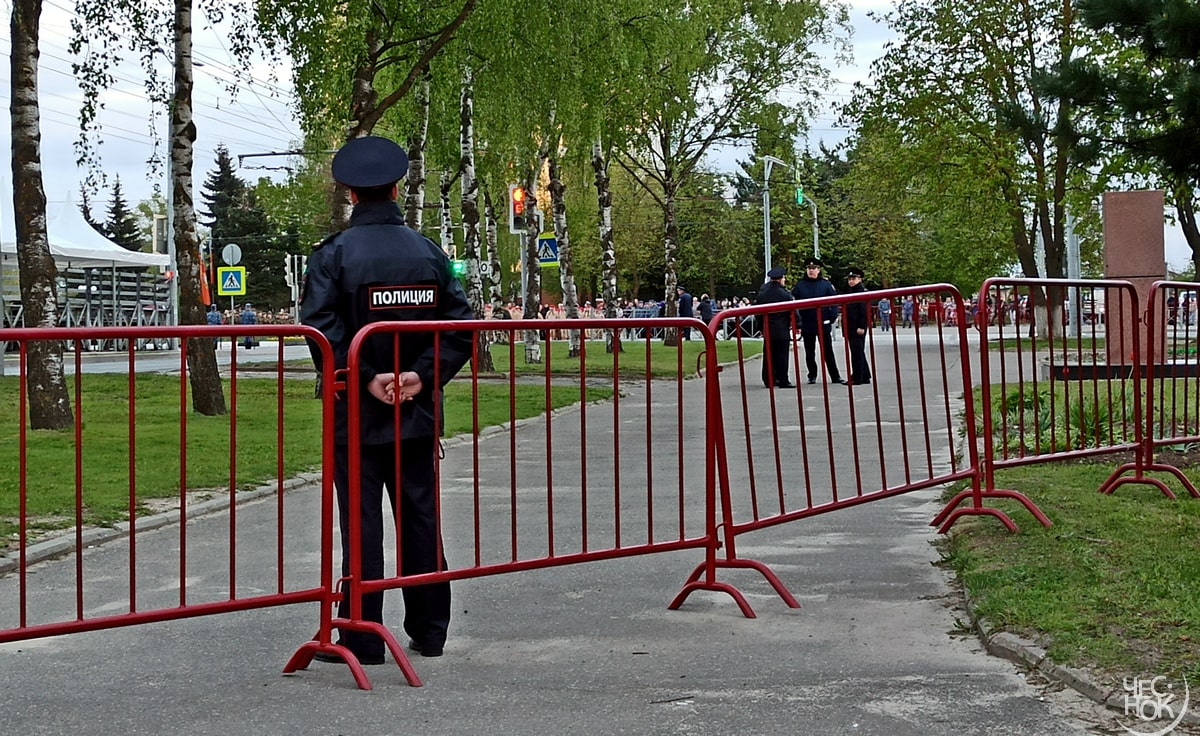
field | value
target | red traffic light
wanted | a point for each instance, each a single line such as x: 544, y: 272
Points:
x: 518, y: 200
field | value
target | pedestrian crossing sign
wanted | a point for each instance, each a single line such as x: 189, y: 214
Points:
x: 231, y: 281
x: 547, y: 249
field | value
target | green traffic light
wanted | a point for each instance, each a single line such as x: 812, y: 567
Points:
x: 458, y: 268
x: 799, y: 195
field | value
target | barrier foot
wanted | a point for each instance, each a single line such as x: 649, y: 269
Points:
x: 780, y: 589
x: 304, y: 656
x: 1114, y: 480
x: 694, y: 583
x: 949, y: 507
x: 978, y: 511
x: 733, y: 592
x: 950, y: 514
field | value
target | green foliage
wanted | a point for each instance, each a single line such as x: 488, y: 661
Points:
x: 972, y: 152
x: 235, y: 217
x: 1043, y: 419
x: 121, y: 225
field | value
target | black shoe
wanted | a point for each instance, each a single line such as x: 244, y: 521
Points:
x: 336, y: 659
x: 786, y: 385
x: 811, y: 381
x: 425, y: 650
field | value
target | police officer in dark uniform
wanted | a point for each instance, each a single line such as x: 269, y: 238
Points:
x: 858, y: 322
x: 380, y: 270
x: 777, y: 331
x: 814, y: 325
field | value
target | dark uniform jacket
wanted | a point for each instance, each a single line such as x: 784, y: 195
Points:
x: 856, y: 313
x: 807, y: 288
x: 379, y: 270
x: 780, y: 323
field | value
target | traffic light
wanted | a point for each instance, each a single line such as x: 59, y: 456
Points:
x: 516, y: 208
x: 289, y: 276
x: 799, y: 194
x: 458, y: 269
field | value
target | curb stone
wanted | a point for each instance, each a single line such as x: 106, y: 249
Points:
x: 1009, y: 646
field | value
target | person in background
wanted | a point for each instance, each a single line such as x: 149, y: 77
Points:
x: 685, y: 309
x: 248, y: 318
x: 777, y: 334
x: 885, y: 314
x: 214, y: 318
x: 813, y: 325
x: 379, y: 270
x: 706, y: 309
x: 858, y: 323
x: 906, y: 312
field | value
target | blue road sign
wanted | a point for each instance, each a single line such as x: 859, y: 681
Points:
x: 547, y: 248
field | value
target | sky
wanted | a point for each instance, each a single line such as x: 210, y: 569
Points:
x: 259, y: 118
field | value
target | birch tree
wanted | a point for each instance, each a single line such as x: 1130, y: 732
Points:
x: 49, y: 404
x: 104, y: 28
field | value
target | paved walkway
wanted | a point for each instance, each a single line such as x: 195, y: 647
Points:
x: 880, y: 646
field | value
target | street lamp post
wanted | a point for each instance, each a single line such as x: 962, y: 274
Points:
x: 768, y: 161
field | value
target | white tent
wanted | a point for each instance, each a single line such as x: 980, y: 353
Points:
x: 73, y: 242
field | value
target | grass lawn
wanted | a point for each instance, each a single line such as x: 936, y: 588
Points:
x: 106, y: 464
x: 1113, y: 585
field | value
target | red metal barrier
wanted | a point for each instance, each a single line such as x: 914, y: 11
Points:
x: 155, y: 589
x: 851, y: 444
x: 598, y: 481
x: 1068, y: 354
x: 1170, y: 382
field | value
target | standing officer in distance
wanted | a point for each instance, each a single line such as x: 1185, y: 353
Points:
x: 858, y: 322
x: 777, y: 331
x: 812, y: 286
x: 685, y: 308
x: 380, y: 270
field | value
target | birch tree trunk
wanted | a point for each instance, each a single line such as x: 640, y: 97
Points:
x: 208, y: 395
x: 670, y: 253
x: 470, y: 217
x: 414, y: 197
x: 446, y: 227
x: 532, y: 266
x: 608, y: 254
x: 495, y: 285
x: 49, y: 403
x: 531, y: 269
x: 566, y: 275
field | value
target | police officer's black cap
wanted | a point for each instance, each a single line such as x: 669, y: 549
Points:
x: 855, y: 272
x: 366, y: 163
x: 776, y: 273
x: 814, y: 262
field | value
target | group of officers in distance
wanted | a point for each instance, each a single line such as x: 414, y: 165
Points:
x: 815, y: 326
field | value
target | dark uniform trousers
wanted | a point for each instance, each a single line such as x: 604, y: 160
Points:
x: 860, y: 368
x: 810, y: 354
x: 426, y: 607
x: 776, y: 343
